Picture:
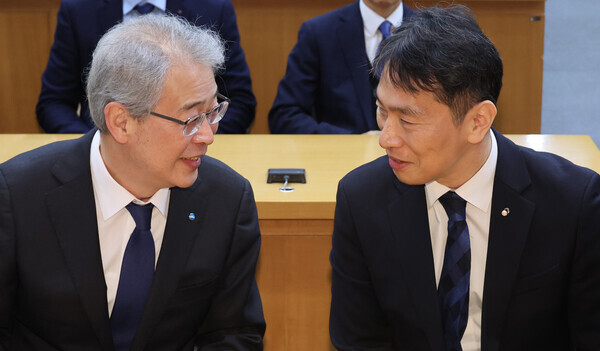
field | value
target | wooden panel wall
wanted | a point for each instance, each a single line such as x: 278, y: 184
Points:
x: 269, y: 30
x: 296, y: 301
x: 26, y: 34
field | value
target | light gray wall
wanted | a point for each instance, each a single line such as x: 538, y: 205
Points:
x: 571, y: 87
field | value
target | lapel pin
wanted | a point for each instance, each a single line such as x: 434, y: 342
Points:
x: 505, y: 212
x: 192, y: 216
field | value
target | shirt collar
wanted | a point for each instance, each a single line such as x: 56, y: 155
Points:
x: 478, y: 190
x: 128, y: 5
x: 110, y: 195
x: 372, y: 20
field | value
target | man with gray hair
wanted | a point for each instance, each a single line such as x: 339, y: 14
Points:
x: 130, y: 238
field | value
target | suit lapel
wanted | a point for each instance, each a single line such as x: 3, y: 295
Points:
x: 351, y: 36
x: 412, y: 236
x: 507, y: 238
x: 108, y: 14
x: 72, y: 210
x: 180, y: 234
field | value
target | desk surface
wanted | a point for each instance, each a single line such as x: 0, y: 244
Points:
x: 326, y: 158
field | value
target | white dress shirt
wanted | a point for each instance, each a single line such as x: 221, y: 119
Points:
x: 372, y: 21
x: 115, y: 223
x: 160, y: 6
x: 477, y: 191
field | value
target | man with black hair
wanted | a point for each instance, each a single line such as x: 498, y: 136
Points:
x: 458, y: 239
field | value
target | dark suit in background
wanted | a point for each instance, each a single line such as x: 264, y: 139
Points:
x: 326, y: 88
x: 51, y: 278
x: 542, y: 279
x: 80, y: 25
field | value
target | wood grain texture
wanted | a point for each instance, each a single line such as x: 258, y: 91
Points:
x: 294, y: 278
x: 24, y: 43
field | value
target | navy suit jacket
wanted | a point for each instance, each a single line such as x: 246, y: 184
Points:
x: 81, y: 23
x: 326, y: 88
x: 52, y: 286
x: 542, y: 277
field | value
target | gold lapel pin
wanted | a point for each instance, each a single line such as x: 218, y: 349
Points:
x: 505, y: 212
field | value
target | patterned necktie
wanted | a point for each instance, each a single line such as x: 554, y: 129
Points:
x: 144, y: 9
x: 453, y: 289
x: 385, y: 28
x: 135, y: 280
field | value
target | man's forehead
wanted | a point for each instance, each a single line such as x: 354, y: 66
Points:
x: 404, y: 101
x: 386, y: 90
x: 193, y: 83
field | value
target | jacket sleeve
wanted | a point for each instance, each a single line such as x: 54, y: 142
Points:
x: 584, y: 291
x: 292, y: 111
x: 356, y: 319
x: 8, y: 280
x: 235, y: 320
x: 62, y: 81
x: 235, y: 81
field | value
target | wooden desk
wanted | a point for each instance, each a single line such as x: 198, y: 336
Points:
x: 294, y: 275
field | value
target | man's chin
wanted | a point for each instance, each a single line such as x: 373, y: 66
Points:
x: 406, y: 179
x: 187, y: 181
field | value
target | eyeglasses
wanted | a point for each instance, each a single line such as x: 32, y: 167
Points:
x: 192, y: 124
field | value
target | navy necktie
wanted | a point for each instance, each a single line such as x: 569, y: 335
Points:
x: 135, y: 280
x: 385, y: 28
x: 144, y: 9
x: 453, y: 289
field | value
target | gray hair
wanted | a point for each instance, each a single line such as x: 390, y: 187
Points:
x: 131, y: 61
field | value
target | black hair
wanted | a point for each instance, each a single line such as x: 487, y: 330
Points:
x: 443, y: 51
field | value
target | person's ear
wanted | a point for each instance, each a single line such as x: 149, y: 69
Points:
x: 118, y: 121
x: 480, y: 118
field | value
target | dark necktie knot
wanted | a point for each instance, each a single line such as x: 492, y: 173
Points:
x: 454, y: 206
x: 144, y: 9
x: 142, y: 215
x: 385, y: 28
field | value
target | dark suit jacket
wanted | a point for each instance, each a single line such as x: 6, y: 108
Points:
x: 326, y: 87
x: 542, y: 279
x: 52, y: 286
x: 81, y: 23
